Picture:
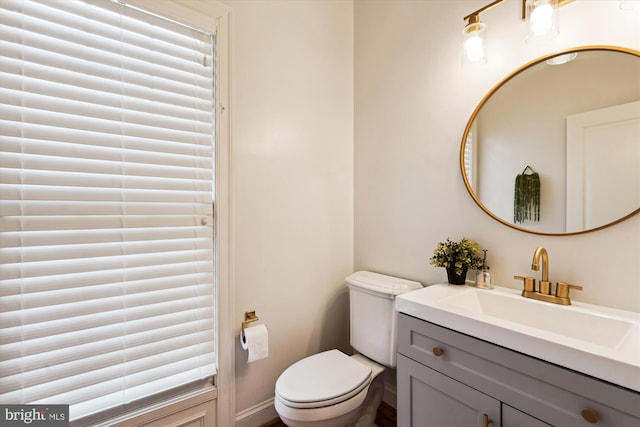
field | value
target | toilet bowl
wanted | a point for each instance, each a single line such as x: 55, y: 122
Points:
x: 332, y: 389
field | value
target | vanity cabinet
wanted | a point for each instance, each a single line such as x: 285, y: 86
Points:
x: 448, y: 379
x: 437, y: 400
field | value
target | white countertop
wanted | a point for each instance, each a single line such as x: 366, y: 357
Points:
x: 586, y: 348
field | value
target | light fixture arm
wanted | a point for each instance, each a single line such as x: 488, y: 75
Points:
x: 484, y: 9
x: 475, y: 15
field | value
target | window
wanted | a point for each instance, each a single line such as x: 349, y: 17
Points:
x: 106, y: 187
x: 470, y: 156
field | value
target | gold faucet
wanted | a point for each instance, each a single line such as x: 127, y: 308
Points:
x: 545, y: 286
x: 544, y: 294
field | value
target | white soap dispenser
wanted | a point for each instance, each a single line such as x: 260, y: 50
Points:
x: 483, y: 276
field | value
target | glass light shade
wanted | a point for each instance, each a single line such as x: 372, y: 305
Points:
x: 543, y: 18
x: 474, y: 43
x: 562, y: 59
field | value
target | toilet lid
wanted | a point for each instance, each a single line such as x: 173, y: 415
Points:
x: 328, y: 376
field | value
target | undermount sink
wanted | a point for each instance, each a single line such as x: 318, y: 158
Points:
x: 598, y: 341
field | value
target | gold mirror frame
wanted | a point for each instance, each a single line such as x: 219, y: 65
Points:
x: 486, y: 98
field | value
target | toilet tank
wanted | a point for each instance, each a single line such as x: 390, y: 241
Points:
x: 372, y: 314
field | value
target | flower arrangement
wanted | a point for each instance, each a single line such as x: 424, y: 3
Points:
x: 462, y: 255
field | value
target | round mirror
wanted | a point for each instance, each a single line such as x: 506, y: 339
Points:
x: 554, y: 148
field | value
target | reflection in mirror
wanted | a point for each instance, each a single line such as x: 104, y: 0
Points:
x: 577, y: 125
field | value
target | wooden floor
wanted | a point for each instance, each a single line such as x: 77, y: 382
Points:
x: 386, y: 417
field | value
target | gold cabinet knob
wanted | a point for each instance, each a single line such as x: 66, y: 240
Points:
x: 486, y: 420
x: 590, y: 415
x: 438, y: 351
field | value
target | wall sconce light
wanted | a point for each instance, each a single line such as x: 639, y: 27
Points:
x: 543, y: 24
x: 543, y: 18
x: 474, y: 41
x: 474, y: 36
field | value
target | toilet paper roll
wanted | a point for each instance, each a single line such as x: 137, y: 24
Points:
x: 256, y: 340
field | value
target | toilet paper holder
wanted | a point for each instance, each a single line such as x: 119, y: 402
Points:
x: 249, y: 317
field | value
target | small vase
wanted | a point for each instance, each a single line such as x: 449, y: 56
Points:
x: 456, y: 279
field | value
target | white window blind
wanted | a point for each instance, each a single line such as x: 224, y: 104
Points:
x: 106, y: 245
x: 469, y: 157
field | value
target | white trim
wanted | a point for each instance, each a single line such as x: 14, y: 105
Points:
x: 190, y: 12
x: 162, y: 409
x: 224, y: 242
x: 586, y: 205
x: 390, y: 395
x: 256, y: 415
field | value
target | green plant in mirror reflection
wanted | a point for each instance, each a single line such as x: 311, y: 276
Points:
x: 526, y: 197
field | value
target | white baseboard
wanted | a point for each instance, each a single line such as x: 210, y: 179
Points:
x: 256, y: 415
x: 390, y: 395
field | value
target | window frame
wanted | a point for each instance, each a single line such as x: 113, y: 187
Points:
x: 212, y: 17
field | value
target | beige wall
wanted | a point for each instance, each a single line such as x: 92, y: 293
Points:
x: 412, y: 102
x: 291, y: 182
x: 295, y: 125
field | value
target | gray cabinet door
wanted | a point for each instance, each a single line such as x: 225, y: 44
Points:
x: 511, y: 417
x: 427, y: 398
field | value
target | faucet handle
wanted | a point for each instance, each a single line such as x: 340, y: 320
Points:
x: 528, y: 282
x: 562, y: 290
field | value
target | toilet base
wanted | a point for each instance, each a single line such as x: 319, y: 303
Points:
x: 346, y: 420
x: 374, y: 399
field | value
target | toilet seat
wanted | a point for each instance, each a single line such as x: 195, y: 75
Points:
x: 321, y: 414
x: 321, y: 380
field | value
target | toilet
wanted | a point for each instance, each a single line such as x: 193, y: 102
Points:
x: 332, y: 389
